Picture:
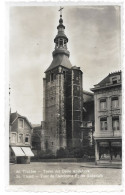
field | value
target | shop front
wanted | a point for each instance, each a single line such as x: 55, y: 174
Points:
x: 108, y: 151
x: 21, y: 155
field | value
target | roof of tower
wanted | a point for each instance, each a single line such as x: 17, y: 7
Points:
x: 61, y: 53
x: 60, y: 35
x: 60, y: 59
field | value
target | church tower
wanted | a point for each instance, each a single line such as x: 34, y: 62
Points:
x: 62, y: 101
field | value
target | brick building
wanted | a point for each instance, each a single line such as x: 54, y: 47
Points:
x: 63, y: 100
x: 108, y: 112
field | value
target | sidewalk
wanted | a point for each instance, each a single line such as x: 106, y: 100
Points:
x: 101, y: 165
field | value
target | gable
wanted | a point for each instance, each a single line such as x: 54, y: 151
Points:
x: 26, y: 125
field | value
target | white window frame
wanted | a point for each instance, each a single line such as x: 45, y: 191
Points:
x: 116, y: 106
x: 13, y: 133
x: 20, y: 119
x: 117, y: 126
x: 103, y: 124
x: 102, y: 101
x: 22, y: 137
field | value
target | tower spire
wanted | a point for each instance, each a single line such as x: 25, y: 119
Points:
x: 61, y: 39
x: 60, y: 53
x: 60, y: 10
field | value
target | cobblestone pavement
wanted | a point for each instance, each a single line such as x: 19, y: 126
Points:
x: 39, y: 173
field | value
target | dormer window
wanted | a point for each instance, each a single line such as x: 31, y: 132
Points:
x: 114, y: 80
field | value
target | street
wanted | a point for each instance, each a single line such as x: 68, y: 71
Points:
x: 41, y: 173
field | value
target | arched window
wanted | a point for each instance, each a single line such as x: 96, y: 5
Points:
x: 52, y: 76
x: 64, y: 73
x: 61, y: 42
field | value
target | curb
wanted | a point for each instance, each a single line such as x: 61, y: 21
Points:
x: 102, y: 166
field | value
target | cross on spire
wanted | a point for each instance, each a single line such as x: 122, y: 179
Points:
x: 60, y: 10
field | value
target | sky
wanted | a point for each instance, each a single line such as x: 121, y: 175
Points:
x: 94, y: 34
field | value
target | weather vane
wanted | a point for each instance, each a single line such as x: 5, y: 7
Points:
x: 60, y: 10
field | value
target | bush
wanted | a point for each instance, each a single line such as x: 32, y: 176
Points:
x: 72, y: 152
x: 48, y: 154
x: 62, y: 153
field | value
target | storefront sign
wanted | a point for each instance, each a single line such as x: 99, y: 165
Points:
x: 116, y: 144
x: 103, y: 144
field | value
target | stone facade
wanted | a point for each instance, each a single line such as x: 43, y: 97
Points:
x: 62, y: 101
x: 63, y: 107
x: 108, y: 112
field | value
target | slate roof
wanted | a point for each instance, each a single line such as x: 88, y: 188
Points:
x: 106, y: 82
x: 107, y: 79
x: 60, y: 34
x: 88, y: 93
x: 60, y: 59
x: 15, y: 115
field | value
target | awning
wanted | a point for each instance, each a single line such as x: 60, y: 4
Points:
x: 27, y: 151
x: 18, y: 151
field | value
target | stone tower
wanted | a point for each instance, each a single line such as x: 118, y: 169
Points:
x: 62, y: 101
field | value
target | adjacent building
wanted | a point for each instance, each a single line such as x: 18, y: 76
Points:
x: 108, y: 113
x: 20, y: 138
x: 87, y: 127
x: 38, y: 139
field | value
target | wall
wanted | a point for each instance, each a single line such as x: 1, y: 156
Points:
x: 26, y: 130
x: 74, y: 102
x: 63, y: 107
x: 109, y: 112
x: 55, y: 109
